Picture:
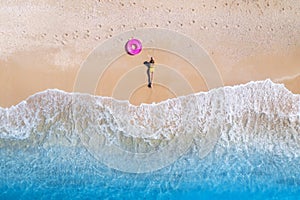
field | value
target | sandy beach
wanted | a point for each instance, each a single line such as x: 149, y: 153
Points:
x: 44, y: 44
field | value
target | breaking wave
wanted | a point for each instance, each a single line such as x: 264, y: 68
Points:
x: 253, y: 106
x: 242, y: 114
x: 261, y: 114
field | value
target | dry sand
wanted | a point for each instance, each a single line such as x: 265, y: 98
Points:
x: 43, y: 44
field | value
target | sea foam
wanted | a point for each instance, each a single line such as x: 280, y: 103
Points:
x: 261, y: 114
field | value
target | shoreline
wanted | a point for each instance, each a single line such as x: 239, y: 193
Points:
x: 22, y: 75
x: 172, y: 96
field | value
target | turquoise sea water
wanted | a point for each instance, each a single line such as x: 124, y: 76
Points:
x: 72, y: 173
x: 238, y: 142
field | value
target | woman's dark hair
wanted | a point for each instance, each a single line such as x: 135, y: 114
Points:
x: 151, y: 60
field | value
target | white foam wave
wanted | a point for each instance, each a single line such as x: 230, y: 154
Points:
x: 251, y: 113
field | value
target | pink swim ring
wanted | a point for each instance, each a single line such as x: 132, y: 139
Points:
x: 133, y: 46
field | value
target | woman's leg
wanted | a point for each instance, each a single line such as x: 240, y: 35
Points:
x: 151, y: 77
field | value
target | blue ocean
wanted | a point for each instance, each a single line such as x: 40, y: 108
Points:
x: 238, y: 142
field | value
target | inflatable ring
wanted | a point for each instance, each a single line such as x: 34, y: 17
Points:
x: 133, y: 46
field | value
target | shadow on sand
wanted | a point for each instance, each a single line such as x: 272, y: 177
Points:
x: 147, y: 64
